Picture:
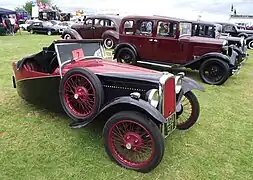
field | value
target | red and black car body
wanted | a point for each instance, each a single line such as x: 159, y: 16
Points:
x: 142, y: 43
x: 71, y: 75
x: 104, y: 27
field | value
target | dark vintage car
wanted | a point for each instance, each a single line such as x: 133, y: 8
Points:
x: 167, y: 42
x: 140, y: 106
x: 96, y: 27
x: 233, y: 30
x: 44, y: 27
x: 212, y: 30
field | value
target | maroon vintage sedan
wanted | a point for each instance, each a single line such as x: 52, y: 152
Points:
x: 167, y: 42
x: 105, y: 27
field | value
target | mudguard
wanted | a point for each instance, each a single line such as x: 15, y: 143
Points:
x: 248, y: 39
x: 72, y: 32
x: 243, y: 34
x: 189, y: 84
x: 111, y: 33
x: 122, y: 45
x: 128, y: 103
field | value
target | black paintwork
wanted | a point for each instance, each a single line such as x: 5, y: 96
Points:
x: 234, y: 31
x: 39, y: 28
x: 44, y: 91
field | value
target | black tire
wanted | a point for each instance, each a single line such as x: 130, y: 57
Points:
x: 92, y: 87
x: 109, y: 42
x: 250, y: 44
x: 195, y: 110
x: 142, y: 120
x: 126, y: 55
x: 221, y: 71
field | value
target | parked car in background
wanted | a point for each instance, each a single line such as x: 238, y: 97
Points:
x: 44, y: 27
x: 140, y: 106
x: 61, y: 26
x: 167, y: 42
x: 28, y: 23
x: 98, y: 26
x: 212, y: 30
x: 234, y: 31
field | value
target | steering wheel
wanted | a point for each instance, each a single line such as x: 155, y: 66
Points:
x: 53, y: 64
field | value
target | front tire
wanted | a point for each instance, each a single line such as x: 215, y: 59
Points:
x: 109, y: 43
x: 126, y: 55
x: 81, y: 94
x: 250, y: 44
x: 129, y: 135
x: 49, y: 33
x: 188, y: 115
x: 214, y: 71
x: 67, y: 36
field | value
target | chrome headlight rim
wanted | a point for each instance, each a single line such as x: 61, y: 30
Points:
x: 153, y: 97
x: 225, y: 42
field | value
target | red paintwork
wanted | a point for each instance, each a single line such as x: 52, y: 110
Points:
x: 104, y: 66
x: 178, y: 50
x: 169, y: 98
x: 96, y: 65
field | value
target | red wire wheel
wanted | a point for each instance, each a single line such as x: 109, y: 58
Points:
x: 81, y: 94
x: 133, y: 141
x: 189, y: 113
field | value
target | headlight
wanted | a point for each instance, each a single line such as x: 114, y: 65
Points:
x: 225, y: 43
x: 153, y: 97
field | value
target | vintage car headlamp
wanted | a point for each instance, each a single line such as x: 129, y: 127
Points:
x: 153, y: 97
x: 225, y: 42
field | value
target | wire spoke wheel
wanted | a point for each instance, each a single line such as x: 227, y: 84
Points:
x: 79, y: 95
x: 131, y: 143
x: 189, y: 112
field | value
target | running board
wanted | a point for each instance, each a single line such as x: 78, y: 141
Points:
x: 159, y: 65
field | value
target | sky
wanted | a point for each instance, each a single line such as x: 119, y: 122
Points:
x: 188, y: 9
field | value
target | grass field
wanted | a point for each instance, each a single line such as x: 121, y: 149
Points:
x: 37, y: 144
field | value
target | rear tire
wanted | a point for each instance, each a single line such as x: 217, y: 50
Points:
x: 214, y: 71
x: 129, y: 133
x: 68, y: 36
x: 49, y: 33
x: 81, y: 94
x: 250, y: 44
x: 109, y: 43
x: 126, y: 55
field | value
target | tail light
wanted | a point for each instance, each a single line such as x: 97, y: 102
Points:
x: 169, y: 97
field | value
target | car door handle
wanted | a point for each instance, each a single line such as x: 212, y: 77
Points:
x: 155, y: 40
x: 150, y: 40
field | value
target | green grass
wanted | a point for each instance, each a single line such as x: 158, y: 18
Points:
x: 37, y: 144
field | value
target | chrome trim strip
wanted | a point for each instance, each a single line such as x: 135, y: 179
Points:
x: 155, y: 64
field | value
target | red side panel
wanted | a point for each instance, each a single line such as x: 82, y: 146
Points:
x: 169, y: 97
x: 26, y: 73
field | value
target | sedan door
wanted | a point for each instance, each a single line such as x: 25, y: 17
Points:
x: 166, y: 45
x: 87, y: 30
x: 141, y: 36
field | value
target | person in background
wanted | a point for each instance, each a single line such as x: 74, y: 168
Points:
x: 8, y: 25
x: 13, y: 22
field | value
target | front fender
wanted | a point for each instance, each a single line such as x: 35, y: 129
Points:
x: 122, y: 45
x: 111, y: 33
x: 243, y: 34
x: 128, y: 103
x: 188, y: 84
x: 72, y: 32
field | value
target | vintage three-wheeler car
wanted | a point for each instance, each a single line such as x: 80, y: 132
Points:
x: 140, y: 106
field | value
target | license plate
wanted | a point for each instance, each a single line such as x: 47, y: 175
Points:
x: 170, y: 126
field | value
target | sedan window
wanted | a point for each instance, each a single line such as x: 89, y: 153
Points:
x: 166, y: 29
x: 144, y: 28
